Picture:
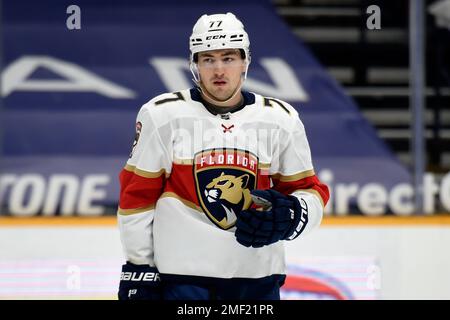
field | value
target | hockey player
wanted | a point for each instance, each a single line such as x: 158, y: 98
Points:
x: 217, y: 180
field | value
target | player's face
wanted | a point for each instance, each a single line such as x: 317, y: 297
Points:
x: 220, y: 71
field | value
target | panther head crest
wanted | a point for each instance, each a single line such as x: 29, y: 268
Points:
x: 230, y: 190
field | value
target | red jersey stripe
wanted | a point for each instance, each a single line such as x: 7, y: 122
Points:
x: 137, y: 191
x: 312, y: 182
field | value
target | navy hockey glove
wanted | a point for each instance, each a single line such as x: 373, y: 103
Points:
x: 139, y: 282
x: 284, y: 218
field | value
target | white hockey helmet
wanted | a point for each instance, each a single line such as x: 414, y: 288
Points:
x: 218, y: 31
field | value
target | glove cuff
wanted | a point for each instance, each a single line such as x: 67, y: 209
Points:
x: 300, y: 211
x: 145, y: 275
x: 139, y: 282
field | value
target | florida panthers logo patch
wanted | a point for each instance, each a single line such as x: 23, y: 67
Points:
x: 136, y: 137
x: 224, y: 178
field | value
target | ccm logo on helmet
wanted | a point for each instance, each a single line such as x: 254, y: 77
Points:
x: 216, y: 37
x: 140, y: 276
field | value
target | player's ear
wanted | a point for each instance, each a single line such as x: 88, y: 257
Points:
x: 244, y: 66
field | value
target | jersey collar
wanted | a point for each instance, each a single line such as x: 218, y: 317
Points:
x: 249, y: 98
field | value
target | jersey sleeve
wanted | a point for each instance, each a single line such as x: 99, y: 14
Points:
x: 141, y: 184
x: 294, y: 174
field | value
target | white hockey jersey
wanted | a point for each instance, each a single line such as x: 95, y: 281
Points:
x: 191, y: 170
